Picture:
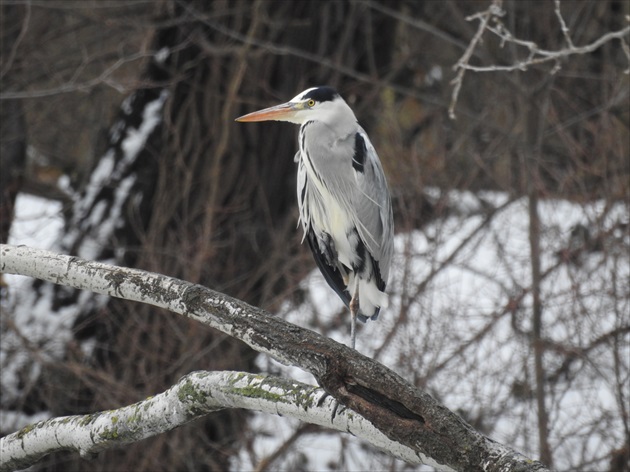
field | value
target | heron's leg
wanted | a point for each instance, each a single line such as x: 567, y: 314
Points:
x: 354, y: 310
x: 353, y: 329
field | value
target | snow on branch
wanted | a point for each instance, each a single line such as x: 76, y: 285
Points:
x: 490, y: 20
x: 417, y: 427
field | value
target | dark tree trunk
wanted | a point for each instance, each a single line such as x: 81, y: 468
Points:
x: 12, y: 161
x: 12, y: 125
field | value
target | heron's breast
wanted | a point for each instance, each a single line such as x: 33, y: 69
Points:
x: 334, y: 220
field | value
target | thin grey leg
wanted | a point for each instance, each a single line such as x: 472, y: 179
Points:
x: 354, y: 310
x: 353, y: 330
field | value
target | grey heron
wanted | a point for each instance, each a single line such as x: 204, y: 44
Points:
x: 344, y: 203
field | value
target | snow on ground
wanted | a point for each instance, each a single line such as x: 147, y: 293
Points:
x: 37, y: 223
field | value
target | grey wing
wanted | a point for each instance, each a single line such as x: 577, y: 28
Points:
x: 375, y: 208
x: 321, y: 245
x: 374, y: 216
x: 355, y: 178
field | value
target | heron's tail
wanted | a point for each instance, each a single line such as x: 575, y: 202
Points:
x: 361, y: 317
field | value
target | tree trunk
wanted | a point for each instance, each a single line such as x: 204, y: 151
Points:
x: 12, y: 127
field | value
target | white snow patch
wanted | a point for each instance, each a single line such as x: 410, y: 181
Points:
x: 37, y: 224
x: 151, y: 117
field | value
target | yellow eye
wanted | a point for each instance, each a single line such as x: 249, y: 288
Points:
x: 311, y: 103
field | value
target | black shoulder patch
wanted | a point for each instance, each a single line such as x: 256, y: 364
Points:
x: 360, y: 150
x: 321, y: 94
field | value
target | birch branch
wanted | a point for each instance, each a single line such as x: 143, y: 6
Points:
x: 404, y: 414
x: 194, y: 396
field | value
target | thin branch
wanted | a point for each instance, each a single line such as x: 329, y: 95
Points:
x: 543, y: 54
x: 444, y: 264
x: 484, y: 17
x: 24, y: 28
x: 74, y: 5
x: 319, y: 60
x: 416, y: 23
x: 267, y: 461
x: 104, y: 77
x: 536, y: 55
x: 563, y: 25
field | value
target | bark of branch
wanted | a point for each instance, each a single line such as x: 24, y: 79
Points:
x: 193, y: 397
x: 403, y: 413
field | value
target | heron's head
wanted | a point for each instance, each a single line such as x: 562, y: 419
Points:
x: 315, y: 104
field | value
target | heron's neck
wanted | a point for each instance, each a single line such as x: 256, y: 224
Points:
x: 330, y: 132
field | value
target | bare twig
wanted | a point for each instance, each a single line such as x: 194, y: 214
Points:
x: 320, y: 60
x: 535, y: 56
x: 483, y: 17
x: 417, y: 23
x: 266, y: 462
x: 73, y: 4
x: 72, y: 86
x: 539, y: 56
x: 563, y: 25
x: 104, y: 77
x: 25, y: 24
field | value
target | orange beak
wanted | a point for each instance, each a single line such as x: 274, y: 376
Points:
x: 283, y: 112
